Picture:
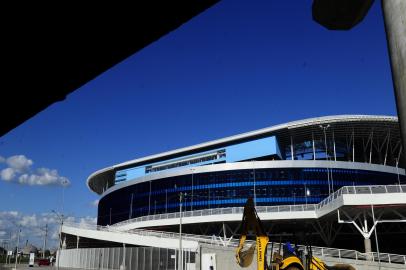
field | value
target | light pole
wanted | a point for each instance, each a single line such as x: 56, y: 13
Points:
x: 166, y: 201
x: 60, y: 237
x: 255, y: 192
x: 149, y: 199
x: 18, y: 243
x: 180, y: 231
x: 305, y: 193
x: 325, y: 146
x: 208, y: 195
x: 131, y: 207
x: 45, y: 240
x: 191, y: 200
x: 63, y: 183
x: 397, y: 169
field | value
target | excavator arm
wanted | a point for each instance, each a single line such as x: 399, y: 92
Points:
x: 252, y: 223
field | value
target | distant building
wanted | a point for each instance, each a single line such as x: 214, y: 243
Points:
x: 29, y: 249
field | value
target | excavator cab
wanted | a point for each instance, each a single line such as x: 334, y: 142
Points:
x: 315, y: 263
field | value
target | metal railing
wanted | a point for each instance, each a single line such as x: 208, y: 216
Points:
x: 273, y: 209
x: 381, y: 189
x: 356, y: 255
x: 221, y: 211
x: 143, y: 232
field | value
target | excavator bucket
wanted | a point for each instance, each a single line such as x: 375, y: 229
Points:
x: 246, y: 256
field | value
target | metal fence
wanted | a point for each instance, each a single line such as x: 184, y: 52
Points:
x: 137, y: 258
x: 213, y: 240
x: 325, y: 252
x: 356, y: 255
x: 134, y: 258
x: 219, y: 241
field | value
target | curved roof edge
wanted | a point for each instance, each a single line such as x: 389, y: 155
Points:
x: 289, y: 125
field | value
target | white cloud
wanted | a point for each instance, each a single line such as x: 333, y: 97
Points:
x: 42, y: 177
x: 29, y: 221
x: 20, y: 163
x: 8, y: 174
x: 86, y: 221
x: 33, y: 226
x: 12, y: 213
x: 2, y: 159
x: 95, y: 203
x: 19, y: 171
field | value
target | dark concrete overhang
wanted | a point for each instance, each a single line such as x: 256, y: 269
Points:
x: 50, y: 50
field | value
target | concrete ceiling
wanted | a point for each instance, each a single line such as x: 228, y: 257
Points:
x: 51, y: 49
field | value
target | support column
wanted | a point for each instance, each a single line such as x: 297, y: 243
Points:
x: 334, y: 147
x: 291, y: 149
x: 123, y: 266
x: 361, y: 223
x: 314, y: 148
x: 387, y: 147
x: 353, y: 146
x: 395, y: 26
x: 372, y: 144
x: 224, y: 232
x: 77, y: 241
x: 367, y: 245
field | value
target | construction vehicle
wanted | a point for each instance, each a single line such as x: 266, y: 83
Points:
x: 251, y: 222
x: 290, y: 261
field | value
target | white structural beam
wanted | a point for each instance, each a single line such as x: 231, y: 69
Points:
x: 375, y: 199
x: 130, y: 238
x: 311, y: 214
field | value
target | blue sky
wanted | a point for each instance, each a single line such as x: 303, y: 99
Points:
x: 237, y: 67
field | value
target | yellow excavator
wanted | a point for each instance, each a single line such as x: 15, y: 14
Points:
x: 290, y: 261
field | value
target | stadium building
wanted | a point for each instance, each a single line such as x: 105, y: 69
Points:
x: 293, y: 163
x: 297, y: 163
x: 331, y: 183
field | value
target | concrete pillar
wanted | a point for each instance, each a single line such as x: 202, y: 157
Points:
x: 394, y: 13
x: 367, y: 244
x: 77, y: 241
x: 368, y: 249
x: 123, y: 266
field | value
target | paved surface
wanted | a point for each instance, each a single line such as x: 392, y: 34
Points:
x: 25, y: 267
x: 36, y: 267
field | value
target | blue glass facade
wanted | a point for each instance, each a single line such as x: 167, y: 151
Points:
x: 253, y: 149
x: 276, y: 186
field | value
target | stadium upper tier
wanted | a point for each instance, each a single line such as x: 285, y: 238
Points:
x: 350, y: 138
